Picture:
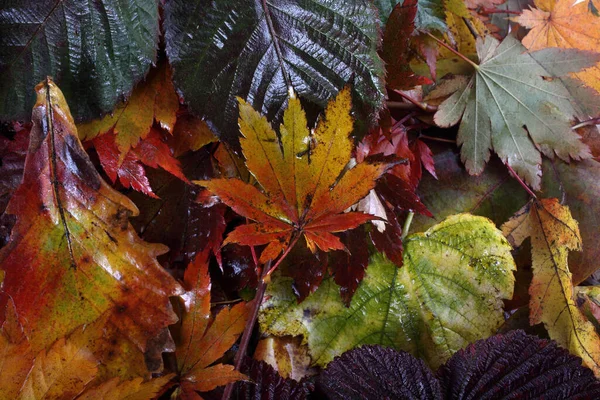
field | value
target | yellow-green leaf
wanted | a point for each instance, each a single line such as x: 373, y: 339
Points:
x: 554, y: 233
x: 448, y: 293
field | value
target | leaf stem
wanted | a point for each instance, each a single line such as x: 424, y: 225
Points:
x: 486, y: 10
x: 267, y: 276
x: 592, y: 121
x: 406, y: 225
x: 437, y: 139
x: 460, y: 55
x: 423, y: 106
x: 523, y: 184
x: 248, y: 329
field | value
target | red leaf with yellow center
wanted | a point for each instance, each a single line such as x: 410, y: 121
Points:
x: 306, y: 179
x: 72, y: 254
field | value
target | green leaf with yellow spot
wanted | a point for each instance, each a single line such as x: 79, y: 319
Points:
x: 448, y: 294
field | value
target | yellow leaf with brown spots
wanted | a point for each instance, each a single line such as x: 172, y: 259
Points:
x: 554, y: 233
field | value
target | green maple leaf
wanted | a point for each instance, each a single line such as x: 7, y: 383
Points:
x: 510, y: 106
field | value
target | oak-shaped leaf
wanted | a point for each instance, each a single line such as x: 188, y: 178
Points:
x: 509, y: 366
x: 150, y: 151
x: 202, y: 339
x: 306, y: 183
x: 262, y: 49
x: 554, y: 233
x: 509, y: 106
x: 73, y: 255
x: 93, y: 50
x: 447, y: 294
x: 152, y: 100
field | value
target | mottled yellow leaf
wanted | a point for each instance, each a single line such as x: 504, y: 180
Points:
x: 554, y: 233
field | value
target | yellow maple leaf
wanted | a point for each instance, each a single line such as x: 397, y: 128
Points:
x: 554, y: 233
x: 152, y: 100
x: 560, y: 23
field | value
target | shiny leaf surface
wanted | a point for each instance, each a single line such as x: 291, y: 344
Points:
x: 448, y: 293
x: 92, y: 49
x: 259, y: 49
x: 73, y: 242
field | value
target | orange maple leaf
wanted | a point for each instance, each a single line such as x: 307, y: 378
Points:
x: 564, y: 24
x: 306, y: 180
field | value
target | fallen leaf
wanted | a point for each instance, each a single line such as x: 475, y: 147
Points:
x: 263, y: 49
x: 96, y: 51
x: 266, y: 383
x: 578, y: 187
x: 59, y: 373
x: 493, y: 194
x: 510, y: 366
x: 396, y: 47
x: 151, y: 151
x: 16, y: 357
x: 152, y: 100
x: 287, y: 355
x: 202, y: 339
x: 190, y: 133
x: 554, y: 233
x: 564, y: 24
x: 73, y: 242
x: 135, y: 389
x: 298, y: 197
x: 508, y: 108
x: 448, y: 293
x: 176, y: 219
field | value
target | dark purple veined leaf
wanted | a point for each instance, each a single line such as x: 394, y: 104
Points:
x: 510, y: 366
x: 266, y: 384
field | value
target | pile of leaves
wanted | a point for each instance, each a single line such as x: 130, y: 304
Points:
x: 298, y: 199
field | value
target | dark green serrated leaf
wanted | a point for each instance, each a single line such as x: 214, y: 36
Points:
x: 257, y: 49
x: 96, y: 51
x: 430, y: 13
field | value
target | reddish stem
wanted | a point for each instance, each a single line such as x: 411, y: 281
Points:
x: 260, y: 293
x: 437, y: 139
x: 267, y: 276
x: 460, y: 55
x: 485, y: 10
x: 423, y: 106
x: 523, y: 184
x: 239, y: 356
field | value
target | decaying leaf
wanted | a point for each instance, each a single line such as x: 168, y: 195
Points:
x: 153, y: 100
x: 151, y: 151
x: 135, y: 389
x: 396, y: 45
x: 508, y: 107
x: 305, y: 188
x: 59, y: 373
x: 287, y: 355
x: 554, y: 233
x: 448, y: 293
x: 565, y: 24
x: 202, y: 339
x: 73, y: 242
